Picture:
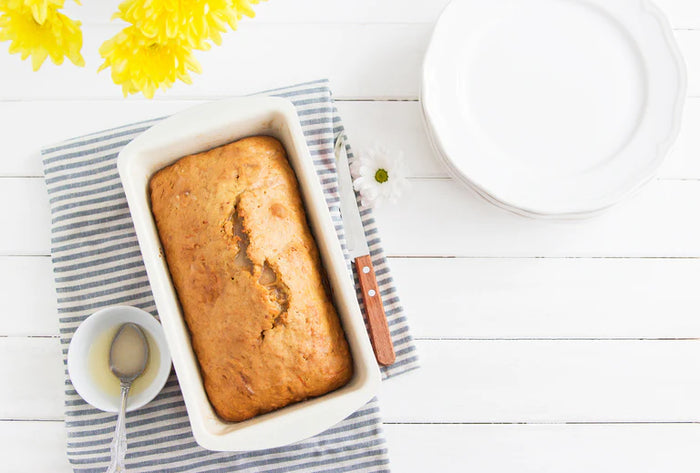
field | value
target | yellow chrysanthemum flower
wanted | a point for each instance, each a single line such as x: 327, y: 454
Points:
x: 141, y: 64
x: 40, y: 8
x: 57, y: 37
x: 193, y: 21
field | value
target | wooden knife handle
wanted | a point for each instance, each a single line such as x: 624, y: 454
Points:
x: 376, y: 318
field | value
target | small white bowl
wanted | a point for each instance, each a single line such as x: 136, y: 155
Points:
x: 107, y: 320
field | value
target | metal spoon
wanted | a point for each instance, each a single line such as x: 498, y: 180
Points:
x: 128, y: 356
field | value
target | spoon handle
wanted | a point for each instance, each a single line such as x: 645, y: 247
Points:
x: 119, y: 442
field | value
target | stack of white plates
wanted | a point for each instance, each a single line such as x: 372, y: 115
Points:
x: 553, y: 108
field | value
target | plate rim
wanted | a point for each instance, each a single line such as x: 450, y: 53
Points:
x: 663, y: 142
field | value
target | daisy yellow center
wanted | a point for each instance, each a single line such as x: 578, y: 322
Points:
x: 381, y: 176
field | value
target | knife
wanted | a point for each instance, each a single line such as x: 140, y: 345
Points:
x: 359, y: 253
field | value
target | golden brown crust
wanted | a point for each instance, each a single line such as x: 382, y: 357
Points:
x: 262, y: 324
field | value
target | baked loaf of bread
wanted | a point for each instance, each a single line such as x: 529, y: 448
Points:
x: 249, y: 279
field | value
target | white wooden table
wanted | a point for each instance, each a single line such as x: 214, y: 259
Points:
x: 545, y: 347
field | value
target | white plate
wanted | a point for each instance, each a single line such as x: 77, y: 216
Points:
x: 553, y: 107
x: 93, y: 329
x: 198, y: 129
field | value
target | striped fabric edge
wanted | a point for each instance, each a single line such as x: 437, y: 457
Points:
x: 97, y: 263
x: 360, y: 436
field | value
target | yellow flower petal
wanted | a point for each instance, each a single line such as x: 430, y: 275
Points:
x: 38, y: 58
x: 195, y: 22
x: 57, y: 36
x: 39, y: 12
x: 142, y: 64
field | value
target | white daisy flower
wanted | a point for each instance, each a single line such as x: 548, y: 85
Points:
x: 379, y: 175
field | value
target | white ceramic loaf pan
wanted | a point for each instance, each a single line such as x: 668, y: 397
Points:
x: 198, y: 129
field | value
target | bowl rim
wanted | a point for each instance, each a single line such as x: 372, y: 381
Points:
x: 106, y: 319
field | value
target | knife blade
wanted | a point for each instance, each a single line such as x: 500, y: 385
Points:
x: 356, y: 241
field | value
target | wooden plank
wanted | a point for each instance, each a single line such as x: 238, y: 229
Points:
x: 24, y: 213
x: 303, y: 11
x: 461, y: 381
x: 360, y: 60
x: 548, y: 381
x: 660, y: 221
x: 33, y: 378
x: 683, y: 161
x: 682, y: 13
x: 655, y: 448
x: 33, y: 446
x: 27, y: 295
x: 550, y: 298
x: 394, y: 125
x: 689, y: 44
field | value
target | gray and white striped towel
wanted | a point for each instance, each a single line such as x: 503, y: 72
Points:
x: 97, y: 263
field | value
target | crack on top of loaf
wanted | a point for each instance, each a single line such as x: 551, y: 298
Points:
x: 267, y: 274
x: 278, y: 294
x: 234, y: 226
